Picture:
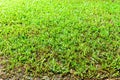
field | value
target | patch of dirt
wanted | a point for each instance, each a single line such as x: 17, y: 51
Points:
x: 2, y: 70
x: 15, y: 75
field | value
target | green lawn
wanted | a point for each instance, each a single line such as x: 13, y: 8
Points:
x: 77, y: 37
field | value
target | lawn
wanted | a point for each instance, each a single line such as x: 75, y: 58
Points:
x: 76, y: 37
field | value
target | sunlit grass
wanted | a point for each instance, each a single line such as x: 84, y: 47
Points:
x: 58, y: 36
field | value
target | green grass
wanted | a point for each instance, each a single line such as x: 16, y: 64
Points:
x: 80, y: 37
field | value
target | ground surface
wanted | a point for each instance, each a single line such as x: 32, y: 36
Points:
x: 77, y: 38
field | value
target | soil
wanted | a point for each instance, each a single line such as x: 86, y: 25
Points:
x: 14, y: 75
